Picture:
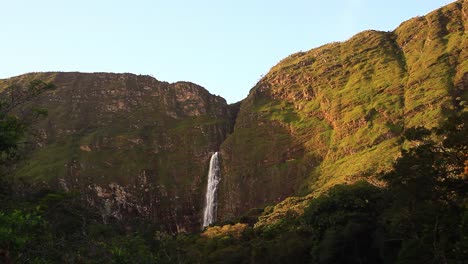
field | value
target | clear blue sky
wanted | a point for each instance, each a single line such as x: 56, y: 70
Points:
x: 223, y: 45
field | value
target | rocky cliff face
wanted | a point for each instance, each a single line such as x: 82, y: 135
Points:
x: 133, y: 146
x: 334, y: 114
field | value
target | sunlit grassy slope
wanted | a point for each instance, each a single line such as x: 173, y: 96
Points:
x: 334, y: 114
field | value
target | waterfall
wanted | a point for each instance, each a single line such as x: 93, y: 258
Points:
x: 209, y: 215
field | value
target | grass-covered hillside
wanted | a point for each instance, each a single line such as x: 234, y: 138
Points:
x: 334, y: 114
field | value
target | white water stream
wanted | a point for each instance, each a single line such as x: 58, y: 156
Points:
x: 211, y: 205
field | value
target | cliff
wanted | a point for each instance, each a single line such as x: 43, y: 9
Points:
x: 132, y: 145
x: 334, y: 114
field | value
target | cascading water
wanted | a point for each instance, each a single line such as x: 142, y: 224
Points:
x: 209, y: 215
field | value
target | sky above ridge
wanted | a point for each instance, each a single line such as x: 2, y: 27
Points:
x: 222, y: 45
